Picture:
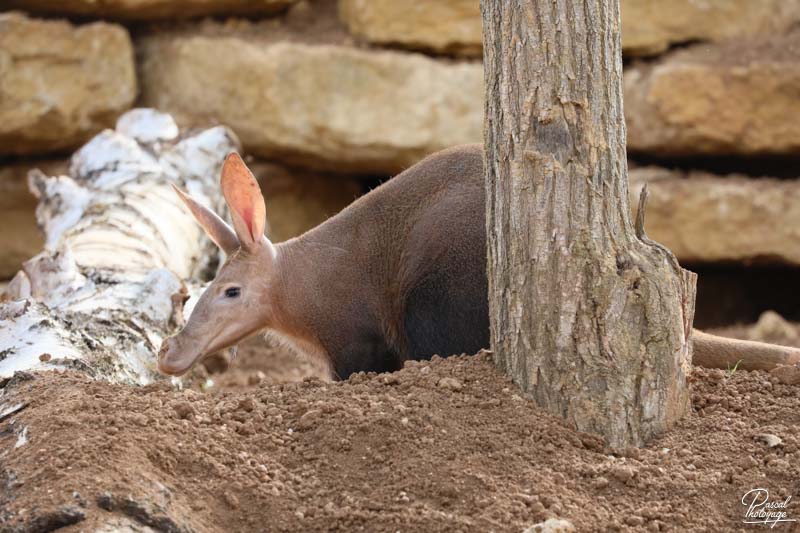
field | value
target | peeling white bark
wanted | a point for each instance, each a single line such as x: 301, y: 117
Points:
x: 118, y: 243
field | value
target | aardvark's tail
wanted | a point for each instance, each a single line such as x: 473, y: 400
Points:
x: 712, y: 351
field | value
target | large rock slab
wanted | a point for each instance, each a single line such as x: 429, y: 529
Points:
x: 733, y: 98
x: 445, y: 26
x: 298, y: 200
x: 20, y: 238
x: 651, y: 26
x: 60, y: 84
x: 327, y: 106
x: 705, y: 218
x: 149, y: 9
x: 648, y: 26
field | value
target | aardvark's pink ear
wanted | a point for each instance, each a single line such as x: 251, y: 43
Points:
x: 244, y: 199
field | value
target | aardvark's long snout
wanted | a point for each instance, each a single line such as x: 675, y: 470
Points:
x: 174, y: 358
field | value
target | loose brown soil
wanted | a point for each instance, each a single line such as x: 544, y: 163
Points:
x: 447, y: 445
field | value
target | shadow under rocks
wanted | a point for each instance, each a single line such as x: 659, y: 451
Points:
x: 738, y: 295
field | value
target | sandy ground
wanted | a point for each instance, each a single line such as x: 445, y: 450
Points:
x: 447, y: 445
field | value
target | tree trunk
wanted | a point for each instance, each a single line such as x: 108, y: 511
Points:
x: 118, y: 243
x: 587, y: 315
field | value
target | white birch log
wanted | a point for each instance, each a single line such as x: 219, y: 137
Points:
x: 118, y: 243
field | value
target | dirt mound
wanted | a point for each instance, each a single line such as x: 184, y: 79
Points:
x: 257, y: 363
x: 447, y: 445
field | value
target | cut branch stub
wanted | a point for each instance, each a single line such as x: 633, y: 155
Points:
x: 118, y: 245
x: 643, y: 195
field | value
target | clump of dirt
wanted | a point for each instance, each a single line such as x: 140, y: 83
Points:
x: 445, y: 445
x: 258, y: 362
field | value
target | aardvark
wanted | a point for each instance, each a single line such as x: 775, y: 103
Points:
x: 399, y: 274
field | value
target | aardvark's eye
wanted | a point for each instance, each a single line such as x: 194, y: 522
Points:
x: 233, y: 292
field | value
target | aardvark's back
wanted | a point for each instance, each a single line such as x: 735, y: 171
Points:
x: 446, y: 308
x: 419, y: 246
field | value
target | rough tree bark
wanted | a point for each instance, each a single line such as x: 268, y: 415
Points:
x: 118, y: 243
x: 588, y: 315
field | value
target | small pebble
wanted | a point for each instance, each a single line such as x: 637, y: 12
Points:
x: 450, y: 384
x: 769, y: 439
x: 634, y: 521
x: 247, y: 404
x: 788, y: 375
x: 309, y: 419
x: 231, y: 499
x: 391, y: 379
x: 183, y: 409
x: 622, y: 473
x: 552, y: 525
